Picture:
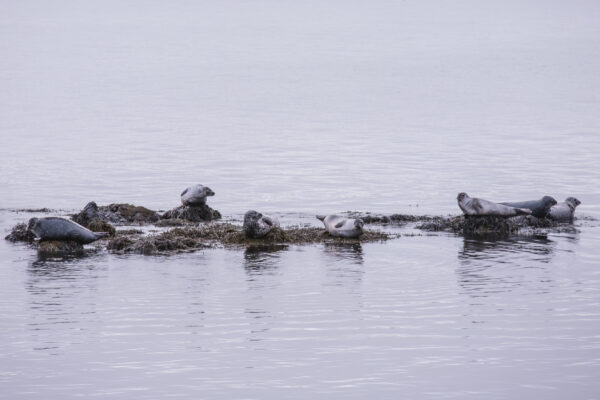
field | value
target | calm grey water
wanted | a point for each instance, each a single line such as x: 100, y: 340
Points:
x: 296, y: 108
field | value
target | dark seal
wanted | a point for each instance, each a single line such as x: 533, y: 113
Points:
x: 56, y: 228
x: 539, y: 208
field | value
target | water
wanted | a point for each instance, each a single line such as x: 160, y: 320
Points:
x: 297, y: 109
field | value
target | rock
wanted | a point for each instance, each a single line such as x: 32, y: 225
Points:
x: 116, y: 213
x: 193, y: 213
x: 225, y: 234
x: 486, y: 225
x: 55, y: 248
x: 19, y: 233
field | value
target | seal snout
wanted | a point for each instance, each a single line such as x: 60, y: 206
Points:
x: 209, y: 192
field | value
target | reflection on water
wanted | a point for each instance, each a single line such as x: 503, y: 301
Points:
x: 258, y: 258
x: 347, y: 252
x: 496, y: 266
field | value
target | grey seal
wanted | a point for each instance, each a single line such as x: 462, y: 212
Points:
x: 340, y: 226
x: 196, y: 195
x: 475, y: 206
x: 257, y: 225
x: 56, y: 228
x: 564, y: 212
x: 539, y: 208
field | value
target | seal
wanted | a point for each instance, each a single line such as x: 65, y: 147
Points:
x: 56, y: 228
x: 340, y: 226
x: 475, y: 206
x: 564, y: 212
x: 257, y: 225
x: 539, y: 208
x: 196, y: 195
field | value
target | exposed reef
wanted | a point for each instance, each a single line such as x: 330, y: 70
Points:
x: 488, y: 225
x: 116, y: 213
x: 19, y: 233
x: 202, y: 213
x: 56, y: 248
x: 228, y: 235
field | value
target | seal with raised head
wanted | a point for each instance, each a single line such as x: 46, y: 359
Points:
x: 196, y: 195
x: 564, y: 212
x: 340, y: 226
x: 257, y: 225
x: 56, y: 228
x: 475, y: 206
x: 539, y: 208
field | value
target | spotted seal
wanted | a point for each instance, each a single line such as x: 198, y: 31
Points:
x: 56, y: 228
x: 257, y: 225
x: 564, y: 212
x: 475, y: 206
x: 340, y: 226
x: 539, y: 208
x: 196, y: 195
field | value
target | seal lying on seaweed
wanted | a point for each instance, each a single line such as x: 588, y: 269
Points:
x: 539, y: 208
x: 565, y: 211
x: 56, y: 228
x: 257, y: 225
x: 196, y: 195
x: 340, y: 226
x: 475, y: 206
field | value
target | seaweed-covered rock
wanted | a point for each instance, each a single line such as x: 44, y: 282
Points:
x: 193, y: 213
x: 369, y: 218
x: 20, y: 233
x: 486, y: 225
x: 56, y: 248
x: 226, y: 234
x: 91, y: 218
x: 116, y: 213
x: 101, y: 226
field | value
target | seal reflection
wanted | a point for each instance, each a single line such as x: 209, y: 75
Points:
x: 490, y: 267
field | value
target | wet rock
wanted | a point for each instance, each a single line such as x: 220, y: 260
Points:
x: 101, y: 226
x: 91, y: 218
x: 56, y: 248
x: 173, y: 222
x: 116, y: 213
x: 226, y: 234
x: 19, y: 233
x: 201, y: 213
x: 369, y: 218
x: 487, y: 225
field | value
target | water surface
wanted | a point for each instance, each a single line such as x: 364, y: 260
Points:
x: 296, y: 109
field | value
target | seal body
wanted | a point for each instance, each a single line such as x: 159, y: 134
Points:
x: 564, y: 212
x: 196, y: 195
x: 475, y: 206
x: 257, y: 225
x: 340, y: 226
x: 539, y: 208
x: 56, y: 228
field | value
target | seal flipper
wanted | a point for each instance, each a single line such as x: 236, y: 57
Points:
x: 320, y: 217
x: 523, y: 211
x: 339, y: 224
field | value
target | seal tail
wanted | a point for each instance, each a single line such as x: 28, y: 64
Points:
x: 320, y: 217
x: 523, y: 211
